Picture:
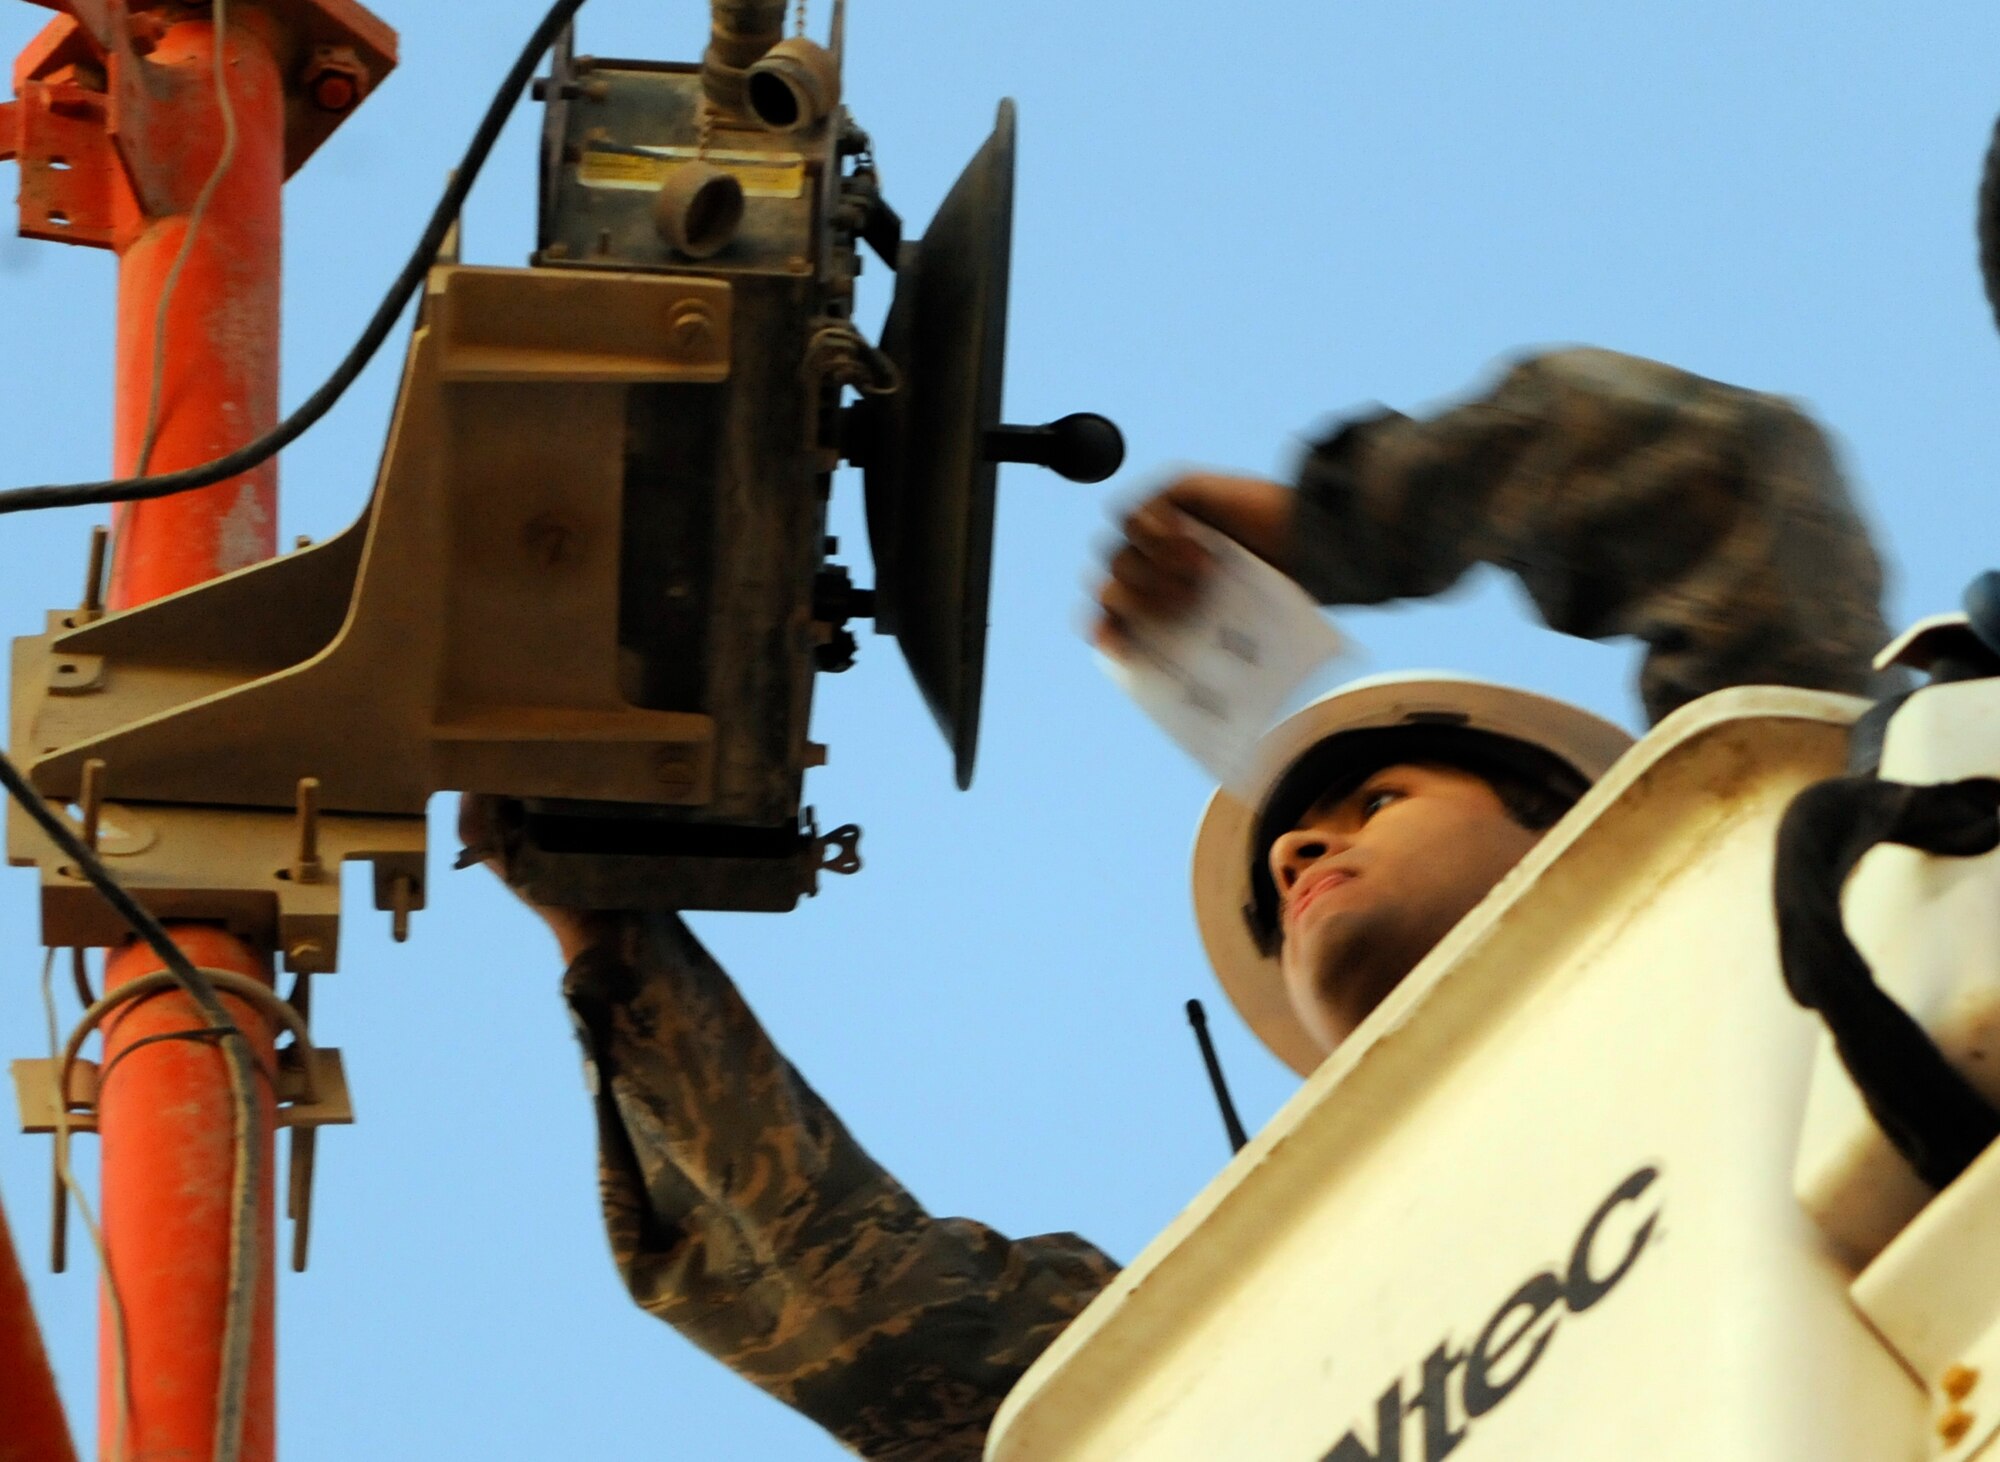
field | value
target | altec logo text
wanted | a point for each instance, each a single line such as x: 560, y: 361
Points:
x: 1512, y: 1342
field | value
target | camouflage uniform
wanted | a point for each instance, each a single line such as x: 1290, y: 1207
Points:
x: 1630, y: 497
x: 743, y: 1214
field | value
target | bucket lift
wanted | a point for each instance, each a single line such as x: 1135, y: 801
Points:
x: 1589, y: 1184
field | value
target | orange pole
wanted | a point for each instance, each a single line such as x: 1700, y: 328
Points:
x: 220, y: 387
x: 166, y: 1115
x: 167, y: 1126
x: 32, y: 1425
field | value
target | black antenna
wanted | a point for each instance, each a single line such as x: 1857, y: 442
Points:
x: 1231, y: 1123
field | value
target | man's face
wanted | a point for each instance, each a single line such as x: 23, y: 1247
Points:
x: 1370, y: 880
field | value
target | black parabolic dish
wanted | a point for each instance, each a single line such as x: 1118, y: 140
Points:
x: 929, y: 485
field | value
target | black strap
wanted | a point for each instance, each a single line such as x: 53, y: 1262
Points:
x: 1923, y: 1105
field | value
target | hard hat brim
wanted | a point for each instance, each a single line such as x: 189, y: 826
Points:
x: 1223, y: 851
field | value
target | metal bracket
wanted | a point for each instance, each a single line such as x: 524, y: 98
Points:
x: 321, y: 1101
x: 237, y: 867
x: 312, y: 1093
x: 59, y: 1094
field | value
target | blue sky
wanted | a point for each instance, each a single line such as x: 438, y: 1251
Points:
x: 1234, y: 223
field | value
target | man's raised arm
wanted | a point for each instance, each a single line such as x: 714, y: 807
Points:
x: 1631, y: 498
x: 742, y: 1213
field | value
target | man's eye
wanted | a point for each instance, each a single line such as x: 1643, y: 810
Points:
x: 1374, y: 801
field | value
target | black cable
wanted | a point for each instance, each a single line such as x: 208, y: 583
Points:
x: 315, y: 406
x: 79, y: 974
x: 206, y: 1035
x: 238, y: 1054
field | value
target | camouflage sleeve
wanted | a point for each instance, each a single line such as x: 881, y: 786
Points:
x: 742, y: 1213
x: 1632, y: 499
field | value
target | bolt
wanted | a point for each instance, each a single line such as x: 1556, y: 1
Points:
x: 335, y: 93
x: 147, y: 29
x: 334, y: 79
x: 306, y: 865
x: 90, y: 801
x: 1954, y: 1424
x: 402, y: 898
x: 1958, y: 1381
x: 691, y: 329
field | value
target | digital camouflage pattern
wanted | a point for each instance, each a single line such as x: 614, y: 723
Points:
x: 743, y: 1214
x: 1632, y: 499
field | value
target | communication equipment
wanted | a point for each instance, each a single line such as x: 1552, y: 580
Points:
x: 594, y: 579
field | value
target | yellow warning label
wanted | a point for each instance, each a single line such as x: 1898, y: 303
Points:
x: 763, y: 175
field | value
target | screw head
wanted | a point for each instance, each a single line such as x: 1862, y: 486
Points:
x: 691, y: 328
x: 334, y: 79
x: 335, y: 93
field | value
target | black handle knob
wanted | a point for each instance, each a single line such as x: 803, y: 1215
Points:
x: 1084, y: 447
x: 1982, y: 607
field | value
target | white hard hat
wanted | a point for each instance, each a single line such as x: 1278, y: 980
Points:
x: 1227, y: 858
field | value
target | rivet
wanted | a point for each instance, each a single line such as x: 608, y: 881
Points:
x: 1953, y: 1425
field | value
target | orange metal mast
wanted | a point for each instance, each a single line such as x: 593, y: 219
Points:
x: 32, y: 1426
x: 118, y: 130
x: 165, y: 1121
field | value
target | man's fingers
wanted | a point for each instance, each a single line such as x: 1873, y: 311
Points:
x: 1160, y: 569
x: 1110, y: 636
x: 1162, y: 531
x: 1121, y: 608
x: 1153, y: 578
x: 1254, y: 511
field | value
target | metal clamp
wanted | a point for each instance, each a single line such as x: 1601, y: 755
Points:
x: 59, y: 1095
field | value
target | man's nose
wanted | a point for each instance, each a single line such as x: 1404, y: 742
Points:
x: 1296, y: 851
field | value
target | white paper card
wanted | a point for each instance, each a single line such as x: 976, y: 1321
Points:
x: 1215, y: 678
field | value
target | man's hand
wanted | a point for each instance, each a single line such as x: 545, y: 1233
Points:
x: 1158, y: 572
x: 482, y: 828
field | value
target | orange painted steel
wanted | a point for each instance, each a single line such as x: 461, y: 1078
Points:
x: 166, y: 1123
x: 116, y: 127
x: 220, y: 386
x: 167, y: 1117
x: 32, y: 1425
